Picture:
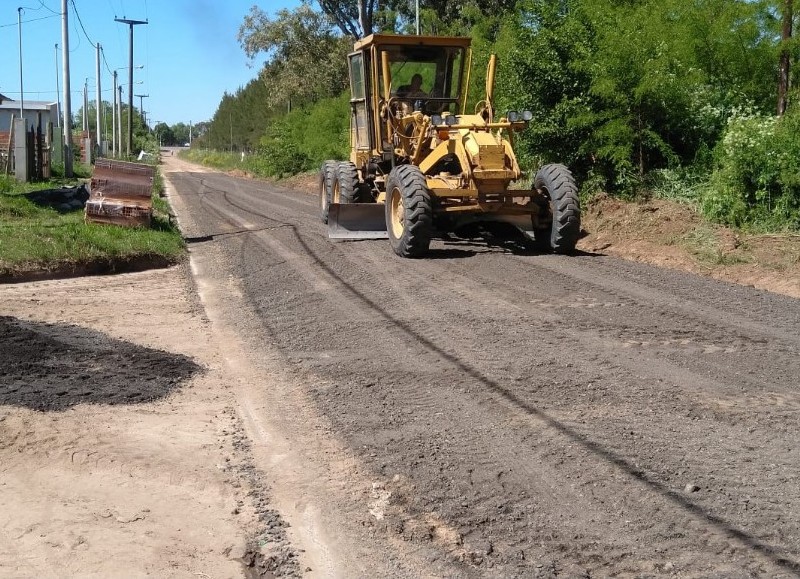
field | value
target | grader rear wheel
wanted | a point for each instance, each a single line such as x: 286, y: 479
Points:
x: 409, y: 211
x: 347, y: 186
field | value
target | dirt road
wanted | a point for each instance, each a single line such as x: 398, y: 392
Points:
x: 484, y: 412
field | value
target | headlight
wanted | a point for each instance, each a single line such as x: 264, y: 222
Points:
x: 527, y: 116
x: 436, y: 119
x: 451, y: 120
x: 512, y: 116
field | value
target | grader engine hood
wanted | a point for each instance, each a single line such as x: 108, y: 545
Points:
x: 484, y: 152
x: 490, y: 157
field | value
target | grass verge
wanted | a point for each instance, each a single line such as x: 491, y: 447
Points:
x: 38, y: 240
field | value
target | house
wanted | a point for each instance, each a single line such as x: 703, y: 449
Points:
x: 9, y: 108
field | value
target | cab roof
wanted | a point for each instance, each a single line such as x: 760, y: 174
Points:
x: 406, y: 40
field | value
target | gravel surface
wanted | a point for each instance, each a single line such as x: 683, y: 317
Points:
x: 488, y: 411
x: 523, y: 414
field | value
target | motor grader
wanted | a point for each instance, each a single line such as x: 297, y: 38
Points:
x: 420, y: 165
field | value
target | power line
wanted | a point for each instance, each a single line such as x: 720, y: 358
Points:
x: 48, y: 8
x: 75, y: 9
x: 31, y: 20
x: 103, y: 53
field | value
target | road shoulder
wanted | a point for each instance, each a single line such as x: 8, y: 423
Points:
x: 117, y: 489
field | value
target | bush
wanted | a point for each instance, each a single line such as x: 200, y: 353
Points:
x: 280, y: 153
x: 325, y: 130
x: 682, y: 185
x: 756, y: 181
x: 6, y: 183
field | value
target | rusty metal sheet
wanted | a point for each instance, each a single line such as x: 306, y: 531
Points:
x: 120, y: 193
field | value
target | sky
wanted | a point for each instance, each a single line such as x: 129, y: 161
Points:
x: 188, y: 51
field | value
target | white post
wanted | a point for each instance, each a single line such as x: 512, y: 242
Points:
x: 114, y: 147
x: 86, y: 105
x: 58, y: 94
x: 119, y: 119
x: 21, y: 92
x: 98, y: 112
x: 67, y: 96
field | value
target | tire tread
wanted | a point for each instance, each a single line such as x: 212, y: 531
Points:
x: 557, y: 180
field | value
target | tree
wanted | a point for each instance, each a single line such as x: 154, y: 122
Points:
x: 450, y: 16
x: 785, y: 55
x: 621, y: 89
x: 354, y: 18
x: 306, y: 59
x: 181, y: 132
x: 164, y: 135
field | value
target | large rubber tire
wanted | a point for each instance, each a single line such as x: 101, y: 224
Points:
x: 558, y: 185
x: 409, y: 211
x: 327, y: 176
x: 347, y: 187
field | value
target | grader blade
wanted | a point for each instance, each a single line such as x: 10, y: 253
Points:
x: 357, y: 221
x: 521, y: 222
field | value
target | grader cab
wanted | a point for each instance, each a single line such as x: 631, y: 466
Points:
x: 420, y: 164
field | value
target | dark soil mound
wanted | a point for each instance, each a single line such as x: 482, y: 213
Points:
x: 53, y: 367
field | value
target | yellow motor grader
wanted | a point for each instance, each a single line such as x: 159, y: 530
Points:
x: 418, y: 164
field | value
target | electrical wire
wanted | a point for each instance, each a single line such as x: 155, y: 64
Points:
x: 75, y: 9
x: 31, y: 20
x: 103, y: 54
x: 48, y: 8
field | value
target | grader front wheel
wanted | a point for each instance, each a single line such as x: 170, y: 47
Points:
x: 327, y: 177
x: 409, y: 211
x: 557, y: 184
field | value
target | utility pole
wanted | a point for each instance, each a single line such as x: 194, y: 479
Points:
x: 58, y: 94
x: 98, y: 112
x: 141, y: 106
x: 131, y: 24
x: 67, y: 101
x: 114, y: 147
x: 21, y: 92
x: 119, y: 120
x: 85, y: 105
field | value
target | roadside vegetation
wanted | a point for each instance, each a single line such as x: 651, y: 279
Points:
x: 677, y: 99
x: 41, y: 238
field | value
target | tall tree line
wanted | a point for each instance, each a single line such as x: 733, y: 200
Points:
x: 618, y: 88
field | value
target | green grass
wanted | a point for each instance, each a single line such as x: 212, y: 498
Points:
x: 36, y: 238
x: 704, y: 244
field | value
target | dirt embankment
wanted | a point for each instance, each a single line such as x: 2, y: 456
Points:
x: 672, y: 235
